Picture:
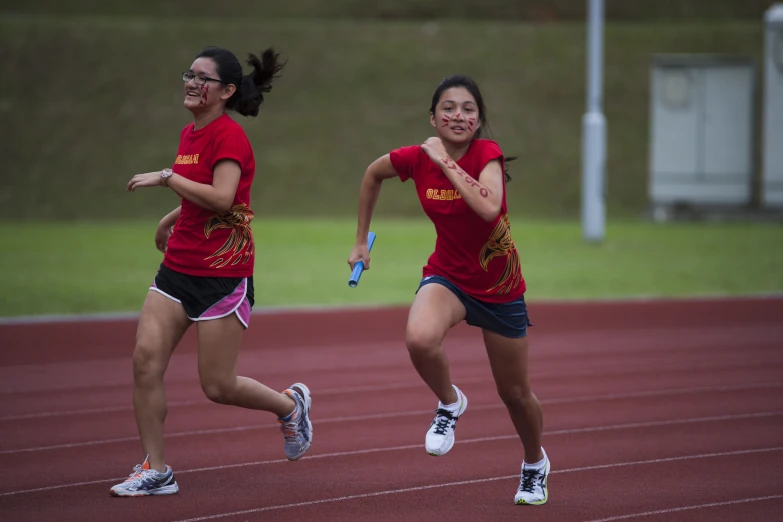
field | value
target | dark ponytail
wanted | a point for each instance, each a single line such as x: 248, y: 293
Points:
x: 250, y: 94
x: 250, y: 89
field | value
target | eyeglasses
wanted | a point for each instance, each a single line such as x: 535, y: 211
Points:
x: 200, y: 79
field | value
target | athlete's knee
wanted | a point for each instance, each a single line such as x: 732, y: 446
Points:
x: 219, y: 390
x: 516, y: 396
x: 421, y: 339
x: 147, y: 364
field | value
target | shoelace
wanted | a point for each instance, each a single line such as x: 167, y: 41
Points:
x: 443, y: 421
x: 290, y: 430
x: 138, y: 475
x: 529, y: 480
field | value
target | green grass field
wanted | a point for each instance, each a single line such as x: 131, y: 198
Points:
x: 56, y: 268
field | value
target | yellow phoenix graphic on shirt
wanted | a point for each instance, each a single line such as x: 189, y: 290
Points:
x: 239, y: 246
x: 501, y: 244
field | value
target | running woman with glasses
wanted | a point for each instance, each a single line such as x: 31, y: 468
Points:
x: 206, y: 275
x: 474, y: 274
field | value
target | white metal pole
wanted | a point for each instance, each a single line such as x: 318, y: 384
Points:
x: 594, y: 131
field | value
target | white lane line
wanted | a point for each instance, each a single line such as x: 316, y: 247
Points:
x: 479, y: 481
x: 415, y: 384
x: 414, y: 446
x: 91, y: 411
x: 686, y: 508
x: 11, y: 396
x: 204, y: 402
x: 730, y: 364
x: 334, y: 420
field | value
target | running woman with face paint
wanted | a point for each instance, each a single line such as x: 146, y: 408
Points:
x: 474, y: 274
x: 206, y: 276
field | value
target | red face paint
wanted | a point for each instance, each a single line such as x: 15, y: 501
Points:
x: 471, y: 123
x: 445, y: 121
x: 204, y: 91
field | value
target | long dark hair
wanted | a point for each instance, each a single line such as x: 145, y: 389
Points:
x: 249, y: 95
x: 461, y: 80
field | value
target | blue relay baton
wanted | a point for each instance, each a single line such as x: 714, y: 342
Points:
x: 358, y: 268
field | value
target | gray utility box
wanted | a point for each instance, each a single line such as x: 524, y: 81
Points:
x: 701, y: 132
x: 772, y: 150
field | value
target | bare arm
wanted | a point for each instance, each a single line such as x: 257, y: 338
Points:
x: 378, y: 171
x: 165, y: 227
x: 171, y: 218
x: 218, y: 196
x: 484, y: 195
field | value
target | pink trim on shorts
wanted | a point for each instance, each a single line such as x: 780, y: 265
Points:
x: 235, y: 302
x: 243, y: 312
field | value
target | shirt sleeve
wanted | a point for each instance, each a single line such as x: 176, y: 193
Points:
x: 489, y: 151
x: 404, y: 161
x: 230, y: 147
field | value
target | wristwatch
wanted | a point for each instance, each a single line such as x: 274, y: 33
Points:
x: 165, y: 174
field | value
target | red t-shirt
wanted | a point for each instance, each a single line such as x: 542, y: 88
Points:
x: 477, y: 256
x: 205, y: 243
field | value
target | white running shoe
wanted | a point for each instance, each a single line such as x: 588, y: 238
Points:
x: 144, y: 482
x: 532, y: 487
x: 440, y: 436
x: 297, y: 429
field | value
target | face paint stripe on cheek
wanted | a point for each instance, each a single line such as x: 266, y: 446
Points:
x: 445, y: 121
x: 204, y: 93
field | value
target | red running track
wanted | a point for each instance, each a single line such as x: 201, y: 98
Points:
x: 654, y: 410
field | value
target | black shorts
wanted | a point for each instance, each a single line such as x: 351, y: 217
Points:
x: 205, y: 298
x: 506, y: 319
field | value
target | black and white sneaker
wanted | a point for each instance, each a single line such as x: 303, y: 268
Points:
x: 440, y: 436
x: 144, y: 482
x: 532, y: 487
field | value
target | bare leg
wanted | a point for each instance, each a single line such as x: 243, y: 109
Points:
x: 434, y: 311
x: 508, y: 359
x: 162, y: 324
x: 219, y: 341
